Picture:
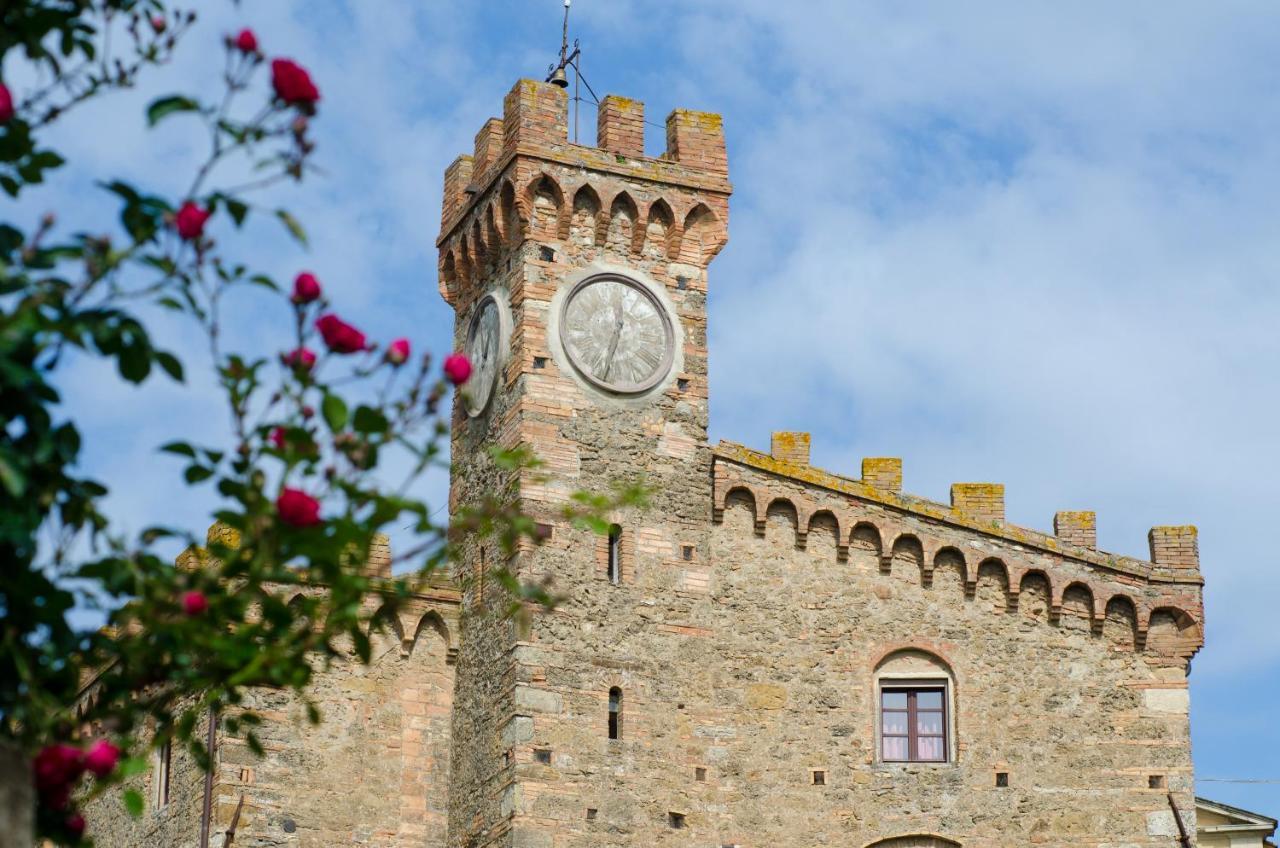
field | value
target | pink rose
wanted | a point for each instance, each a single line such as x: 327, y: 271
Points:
x: 301, y: 359
x: 158, y: 23
x: 398, y: 352
x: 298, y: 509
x: 246, y: 41
x: 56, y: 766
x: 75, y: 825
x: 101, y: 758
x: 190, y: 221
x: 6, y: 104
x: 306, y: 288
x: 457, y: 369
x: 194, y: 602
x: 339, y: 336
x: 293, y: 84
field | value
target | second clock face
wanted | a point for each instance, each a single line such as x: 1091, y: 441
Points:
x: 617, y: 334
x: 484, y: 349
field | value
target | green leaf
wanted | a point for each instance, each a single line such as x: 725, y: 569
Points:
x: 165, y: 106
x: 12, y: 478
x: 180, y: 448
x: 170, y: 364
x: 237, y: 210
x: 197, y: 473
x: 369, y: 420
x: 264, y: 281
x: 334, y: 410
x: 133, y: 802
x: 134, y: 363
x: 291, y: 224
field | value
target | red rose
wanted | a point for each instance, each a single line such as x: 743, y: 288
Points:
x: 306, y: 288
x: 298, y: 509
x: 277, y: 438
x: 301, y: 359
x: 56, y: 766
x: 398, y: 352
x: 293, y: 84
x: 194, y: 602
x: 457, y: 369
x: 190, y: 221
x: 246, y: 41
x: 6, y: 104
x: 101, y: 758
x: 75, y: 825
x: 339, y: 336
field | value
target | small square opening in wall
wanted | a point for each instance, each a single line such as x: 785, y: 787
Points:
x: 700, y: 774
x: 1156, y: 781
x: 539, y: 362
x: 542, y: 755
x: 1002, y: 778
x: 682, y: 384
x: 818, y: 777
x: 546, y: 254
x: 591, y: 814
x: 676, y: 820
x: 686, y: 551
x: 682, y: 283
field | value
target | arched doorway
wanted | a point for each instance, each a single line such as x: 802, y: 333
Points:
x: 915, y: 841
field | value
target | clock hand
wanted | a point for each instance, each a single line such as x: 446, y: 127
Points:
x: 613, y: 343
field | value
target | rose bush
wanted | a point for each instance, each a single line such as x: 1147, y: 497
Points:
x: 302, y: 480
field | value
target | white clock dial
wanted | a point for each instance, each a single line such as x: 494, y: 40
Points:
x: 617, y: 334
x: 484, y: 349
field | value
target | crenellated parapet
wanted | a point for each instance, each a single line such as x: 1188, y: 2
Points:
x: 434, y: 604
x: 525, y: 181
x: 1161, y: 597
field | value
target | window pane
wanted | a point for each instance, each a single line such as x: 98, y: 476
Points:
x: 895, y: 748
x: 930, y: 748
x: 929, y: 699
x: 929, y: 723
x: 894, y: 723
x: 893, y: 700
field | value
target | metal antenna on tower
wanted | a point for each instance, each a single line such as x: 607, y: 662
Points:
x: 570, y: 59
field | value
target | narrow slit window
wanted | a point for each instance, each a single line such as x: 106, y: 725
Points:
x: 615, y: 555
x: 615, y: 713
x: 160, y: 789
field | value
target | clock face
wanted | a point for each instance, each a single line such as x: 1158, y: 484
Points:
x: 617, y: 334
x: 484, y: 349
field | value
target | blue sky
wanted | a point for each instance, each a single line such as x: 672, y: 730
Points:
x: 1023, y: 242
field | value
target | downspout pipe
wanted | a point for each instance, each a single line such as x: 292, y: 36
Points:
x: 206, y: 813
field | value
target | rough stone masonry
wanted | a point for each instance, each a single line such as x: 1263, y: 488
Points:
x: 724, y: 674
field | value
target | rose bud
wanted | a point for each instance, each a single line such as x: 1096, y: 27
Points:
x: 293, y: 84
x: 75, y: 825
x: 398, y: 352
x: 158, y: 23
x: 6, y: 104
x: 246, y: 41
x: 277, y: 438
x: 457, y: 369
x: 301, y: 359
x: 190, y: 221
x: 298, y: 509
x: 194, y: 602
x: 308, y: 411
x: 306, y: 288
x: 339, y: 336
x: 101, y: 758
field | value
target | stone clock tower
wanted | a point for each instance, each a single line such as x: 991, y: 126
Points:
x: 579, y: 279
